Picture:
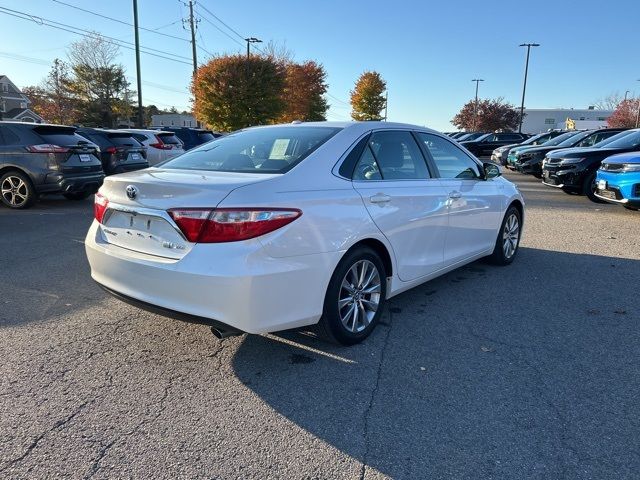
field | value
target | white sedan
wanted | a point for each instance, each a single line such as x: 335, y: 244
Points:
x: 286, y: 226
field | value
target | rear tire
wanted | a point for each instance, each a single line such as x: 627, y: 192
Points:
x: 16, y: 190
x: 589, y: 188
x: 77, y: 195
x: 508, y: 240
x: 355, y: 298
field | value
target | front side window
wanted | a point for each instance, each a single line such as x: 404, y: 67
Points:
x: 450, y: 160
x: 392, y: 155
x: 256, y: 150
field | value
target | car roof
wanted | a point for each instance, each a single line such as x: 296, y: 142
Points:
x: 358, y: 126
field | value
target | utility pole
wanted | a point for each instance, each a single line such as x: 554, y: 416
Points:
x: 386, y: 104
x: 524, y: 88
x: 193, y: 39
x: 249, y: 41
x: 475, y: 110
x: 638, y: 112
x: 139, y: 78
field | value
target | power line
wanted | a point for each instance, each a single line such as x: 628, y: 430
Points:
x: 123, y: 22
x: 220, y: 20
x: 338, y: 100
x: 23, y: 58
x: 78, y: 31
x: 220, y: 30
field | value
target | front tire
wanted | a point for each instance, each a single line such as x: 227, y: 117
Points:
x: 589, y: 188
x: 16, y: 190
x: 355, y: 298
x: 508, y: 240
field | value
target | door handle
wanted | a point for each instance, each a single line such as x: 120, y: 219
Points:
x: 379, y: 198
x: 455, y: 195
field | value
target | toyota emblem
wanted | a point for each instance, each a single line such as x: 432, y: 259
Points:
x: 132, y: 191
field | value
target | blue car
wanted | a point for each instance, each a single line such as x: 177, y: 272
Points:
x: 618, y: 180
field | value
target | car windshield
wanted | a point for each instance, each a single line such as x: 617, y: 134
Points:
x: 256, y: 150
x: 631, y: 140
x: 571, y: 141
x: 559, y: 139
x: 482, y: 137
x: 537, y: 139
x: 613, y: 138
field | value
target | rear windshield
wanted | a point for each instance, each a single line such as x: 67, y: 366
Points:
x: 63, y: 139
x: 123, y: 140
x: 206, y: 136
x: 632, y: 140
x: 169, y: 138
x: 258, y: 150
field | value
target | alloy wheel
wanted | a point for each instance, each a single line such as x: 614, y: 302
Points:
x: 510, y: 236
x: 359, y: 296
x: 15, y: 191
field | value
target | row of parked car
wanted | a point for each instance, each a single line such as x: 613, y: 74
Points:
x: 603, y: 164
x: 37, y: 159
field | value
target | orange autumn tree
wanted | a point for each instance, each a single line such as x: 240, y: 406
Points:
x: 625, y: 114
x: 367, y: 98
x: 233, y: 92
x: 303, y: 94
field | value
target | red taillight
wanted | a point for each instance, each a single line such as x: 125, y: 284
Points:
x: 111, y: 150
x: 47, y: 148
x: 230, y: 224
x: 160, y: 144
x: 100, y: 204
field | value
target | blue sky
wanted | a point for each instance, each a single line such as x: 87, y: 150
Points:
x: 427, y: 51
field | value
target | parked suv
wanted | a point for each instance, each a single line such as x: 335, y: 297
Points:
x: 574, y: 169
x: 483, y: 146
x: 119, y: 151
x: 38, y: 159
x: 530, y: 160
x: 191, y: 137
x: 618, y: 180
x: 500, y: 154
x: 160, y: 145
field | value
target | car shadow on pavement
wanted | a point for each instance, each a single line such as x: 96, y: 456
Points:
x: 523, y: 371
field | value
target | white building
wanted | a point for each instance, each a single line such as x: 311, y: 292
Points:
x: 537, y: 120
x: 173, y: 120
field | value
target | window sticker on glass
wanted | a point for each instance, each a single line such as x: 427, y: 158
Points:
x: 279, y: 149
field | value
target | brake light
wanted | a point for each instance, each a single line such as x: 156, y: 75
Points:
x: 221, y: 225
x: 160, y: 144
x: 111, y: 150
x: 100, y: 204
x: 47, y: 148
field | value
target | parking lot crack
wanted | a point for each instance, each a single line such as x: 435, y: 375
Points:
x: 57, y: 426
x: 374, y: 392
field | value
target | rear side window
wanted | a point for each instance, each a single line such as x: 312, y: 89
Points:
x: 392, y: 155
x: 139, y: 137
x: 7, y: 137
x: 450, y: 160
x: 257, y: 150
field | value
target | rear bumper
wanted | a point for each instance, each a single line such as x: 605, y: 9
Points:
x: 236, y: 284
x: 60, y: 183
x: 128, y: 167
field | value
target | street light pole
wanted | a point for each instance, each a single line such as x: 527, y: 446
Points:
x: 249, y: 41
x: 140, y: 122
x: 524, y: 88
x: 475, y: 110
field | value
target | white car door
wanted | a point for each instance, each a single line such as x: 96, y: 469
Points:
x: 475, y: 205
x: 406, y: 204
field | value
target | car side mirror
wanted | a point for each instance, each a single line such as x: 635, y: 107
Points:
x: 491, y: 170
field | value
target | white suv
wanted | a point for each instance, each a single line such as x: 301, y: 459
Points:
x: 160, y: 145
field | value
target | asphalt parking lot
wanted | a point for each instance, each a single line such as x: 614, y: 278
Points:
x: 526, y: 371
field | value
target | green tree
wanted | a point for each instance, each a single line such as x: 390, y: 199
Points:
x: 488, y: 115
x: 233, y: 91
x: 367, y: 98
x: 98, y: 83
